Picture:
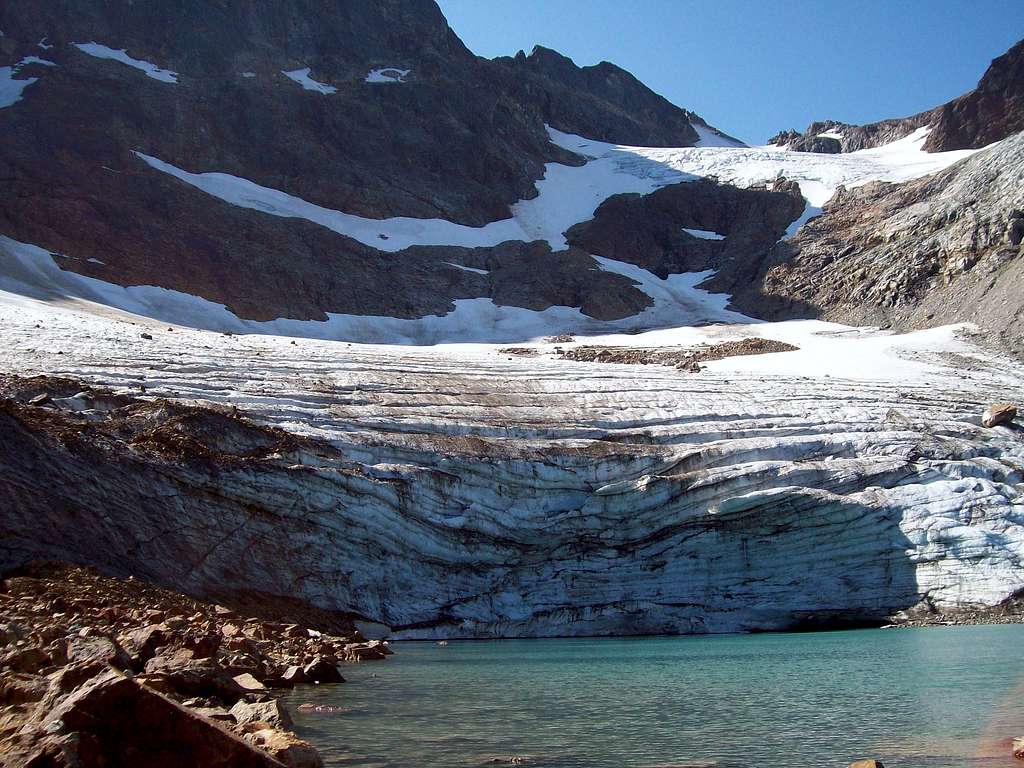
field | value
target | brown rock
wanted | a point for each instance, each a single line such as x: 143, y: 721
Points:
x: 203, y: 645
x: 1018, y: 748
x: 272, y: 712
x: 363, y: 652
x: 97, y: 648
x: 143, y: 643
x: 999, y: 413
x: 867, y: 764
x: 294, y: 675
x: 214, y: 713
x: 249, y: 684
x: 114, y: 715
x: 21, y: 688
x: 31, y: 659
x: 286, y: 747
x: 181, y: 674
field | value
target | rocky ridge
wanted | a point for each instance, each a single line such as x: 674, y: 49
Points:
x: 96, y: 668
x: 989, y: 113
x: 944, y: 248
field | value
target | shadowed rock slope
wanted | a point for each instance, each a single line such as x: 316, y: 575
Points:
x: 455, y: 137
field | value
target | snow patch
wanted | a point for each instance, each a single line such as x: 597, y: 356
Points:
x: 248, y: 74
x: 711, y: 138
x: 810, y: 211
x: 387, y: 75
x: 301, y: 76
x: 467, y: 269
x: 10, y: 88
x: 704, y: 234
x: 44, y: 45
x: 33, y: 60
x: 121, y: 55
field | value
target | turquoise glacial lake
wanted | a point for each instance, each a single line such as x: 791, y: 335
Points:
x: 932, y: 697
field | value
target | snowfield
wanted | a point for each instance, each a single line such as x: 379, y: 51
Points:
x: 568, y: 195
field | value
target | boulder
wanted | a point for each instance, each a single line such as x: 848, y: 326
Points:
x: 320, y: 670
x: 30, y: 659
x: 272, y: 712
x: 204, y: 645
x: 999, y: 413
x: 114, y: 715
x: 249, y: 684
x: 21, y: 688
x: 142, y: 643
x: 97, y: 648
x: 363, y: 652
x: 867, y: 764
x: 1018, y: 748
x: 294, y: 675
x: 286, y: 747
x: 67, y: 679
x: 179, y: 673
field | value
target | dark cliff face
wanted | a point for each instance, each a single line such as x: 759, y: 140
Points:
x: 601, y: 102
x: 989, y: 113
x: 648, y: 230
x: 460, y: 138
x: 366, y: 149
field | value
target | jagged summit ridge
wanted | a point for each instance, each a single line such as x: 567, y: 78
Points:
x: 989, y: 113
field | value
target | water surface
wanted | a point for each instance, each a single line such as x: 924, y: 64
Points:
x: 938, y: 697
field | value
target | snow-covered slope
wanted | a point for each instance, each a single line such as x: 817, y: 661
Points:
x: 567, y: 195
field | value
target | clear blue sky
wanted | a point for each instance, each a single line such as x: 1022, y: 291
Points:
x: 752, y: 67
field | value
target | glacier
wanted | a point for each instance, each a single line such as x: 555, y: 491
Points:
x: 462, y: 491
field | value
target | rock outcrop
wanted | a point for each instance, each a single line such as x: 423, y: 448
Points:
x: 602, y: 102
x: 651, y: 230
x: 945, y: 248
x: 989, y: 113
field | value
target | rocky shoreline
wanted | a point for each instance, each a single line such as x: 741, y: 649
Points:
x: 93, y: 667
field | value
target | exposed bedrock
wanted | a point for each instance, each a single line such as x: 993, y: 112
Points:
x: 450, y: 142
x: 576, y: 100
x: 648, y: 230
x: 714, y: 519
x: 459, y: 138
x: 945, y: 248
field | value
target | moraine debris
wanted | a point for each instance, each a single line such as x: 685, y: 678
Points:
x: 999, y: 413
x: 681, y: 358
